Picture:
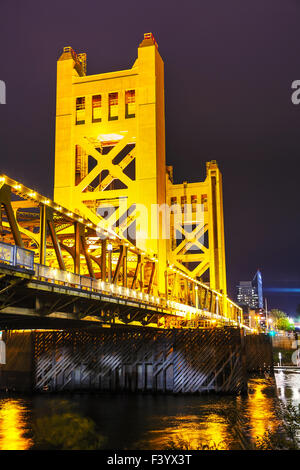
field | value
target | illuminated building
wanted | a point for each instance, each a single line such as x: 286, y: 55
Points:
x: 250, y: 293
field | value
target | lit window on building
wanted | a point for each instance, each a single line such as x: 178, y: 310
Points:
x: 113, y: 106
x: 96, y: 108
x: 204, y: 201
x: 80, y: 110
x: 194, y: 202
x: 130, y: 104
x: 183, y: 200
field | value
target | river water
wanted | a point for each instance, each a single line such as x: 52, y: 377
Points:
x: 88, y: 421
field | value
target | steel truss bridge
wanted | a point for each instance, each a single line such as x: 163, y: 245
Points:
x: 65, y: 261
x: 41, y: 243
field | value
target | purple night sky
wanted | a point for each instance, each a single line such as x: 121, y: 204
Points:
x: 229, y: 67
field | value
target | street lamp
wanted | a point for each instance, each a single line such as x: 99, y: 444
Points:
x: 196, y: 297
x: 109, y: 249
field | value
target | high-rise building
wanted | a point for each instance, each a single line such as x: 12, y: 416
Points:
x: 250, y: 293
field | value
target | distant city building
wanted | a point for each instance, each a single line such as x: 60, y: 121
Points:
x: 250, y: 293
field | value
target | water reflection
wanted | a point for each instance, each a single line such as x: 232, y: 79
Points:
x: 218, y: 422
x: 288, y: 385
x: 145, y: 421
x: 187, y: 432
x: 13, y: 425
x: 261, y: 409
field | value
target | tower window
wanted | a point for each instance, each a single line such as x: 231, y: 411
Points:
x: 96, y: 108
x: 113, y: 106
x: 130, y: 103
x: 80, y: 110
x: 183, y: 200
x: 204, y: 201
x: 194, y: 202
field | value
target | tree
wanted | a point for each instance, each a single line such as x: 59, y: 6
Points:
x: 281, y: 320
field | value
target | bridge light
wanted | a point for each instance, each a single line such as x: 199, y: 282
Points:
x: 109, y: 137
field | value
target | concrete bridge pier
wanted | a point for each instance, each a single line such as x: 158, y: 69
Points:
x: 133, y: 359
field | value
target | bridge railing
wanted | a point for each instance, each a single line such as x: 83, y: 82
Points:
x: 16, y: 256
x: 87, y: 283
x: 55, y: 275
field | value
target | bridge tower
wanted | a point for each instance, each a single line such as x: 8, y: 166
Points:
x: 110, y: 145
x: 110, y: 167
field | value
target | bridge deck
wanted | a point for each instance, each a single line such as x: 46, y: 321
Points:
x: 32, y: 289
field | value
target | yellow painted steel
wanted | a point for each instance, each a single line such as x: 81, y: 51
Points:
x: 97, y: 113
x: 110, y: 155
x: 65, y: 243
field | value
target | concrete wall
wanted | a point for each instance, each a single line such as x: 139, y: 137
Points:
x: 17, y: 373
x: 140, y: 359
x: 134, y: 360
x: 258, y: 353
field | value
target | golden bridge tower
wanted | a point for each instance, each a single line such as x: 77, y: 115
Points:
x: 110, y: 145
x: 110, y: 168
x: 200, y: 250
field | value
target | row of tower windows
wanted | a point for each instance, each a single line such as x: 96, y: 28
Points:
x: 184, y: 199
x: 194, y: 199
x: 113, y: 107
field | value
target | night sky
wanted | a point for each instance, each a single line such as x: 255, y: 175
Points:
x: 228, y: 73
